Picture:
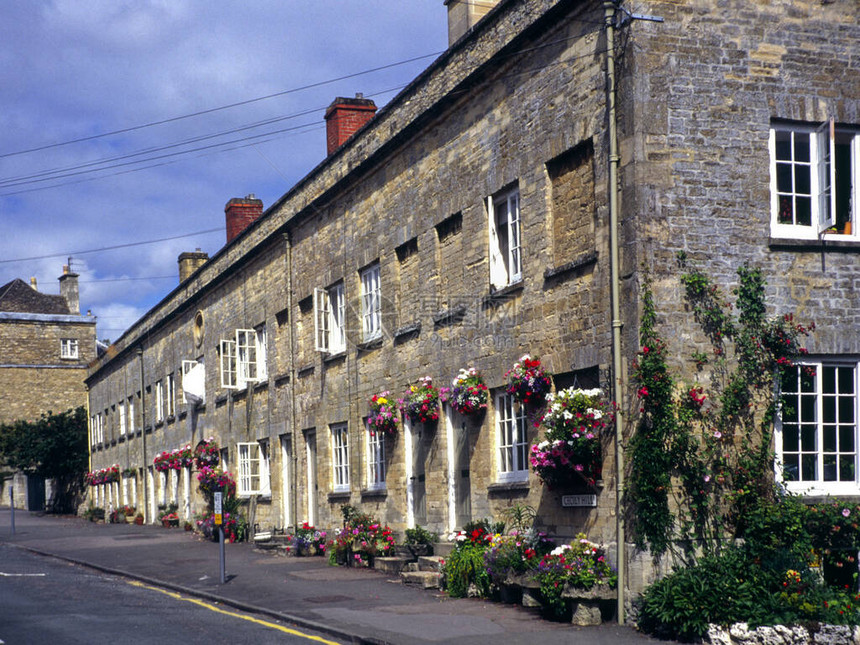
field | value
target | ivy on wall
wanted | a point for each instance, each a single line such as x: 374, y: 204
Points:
x: 701, y: 457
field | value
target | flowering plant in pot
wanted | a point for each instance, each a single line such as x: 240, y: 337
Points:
x: 167, y: 460
x: 421, y: 402
x: 207, y: 453
x: 186, y: 456
x: 383, y: 414
x: 211, y: 480
x: 573, y: 423
x: 103, y: 476
x: 527, y: 381
x: 468, y: 394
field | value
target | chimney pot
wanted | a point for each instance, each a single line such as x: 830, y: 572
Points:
x: 33, y: 283
x: 344, y: 117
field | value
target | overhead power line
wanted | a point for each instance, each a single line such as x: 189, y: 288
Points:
x: 217, y: 109
x: 115, y: 246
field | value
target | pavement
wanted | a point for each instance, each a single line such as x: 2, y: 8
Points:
x: 349, y: 604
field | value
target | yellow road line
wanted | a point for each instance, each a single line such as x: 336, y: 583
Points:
x: 206, y: 605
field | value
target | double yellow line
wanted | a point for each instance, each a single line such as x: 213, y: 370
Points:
x: 211, y: 607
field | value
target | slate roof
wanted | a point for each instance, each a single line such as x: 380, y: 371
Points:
x: 18, y: 296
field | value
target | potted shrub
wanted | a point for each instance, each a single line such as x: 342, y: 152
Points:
x: 138, y: 519
x: 419, y: 541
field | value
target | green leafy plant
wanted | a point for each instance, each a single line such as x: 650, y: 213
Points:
x: 701, y: 458
x: 420, y: 536
x: 581, y: 564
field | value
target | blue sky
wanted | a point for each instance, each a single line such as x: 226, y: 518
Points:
x: 72, y: 71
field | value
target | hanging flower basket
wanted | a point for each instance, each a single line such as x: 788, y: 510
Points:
x: 528, y: 383
x: 574, y: 422
x: 383, y: 414
x: 421, y: 402
x: 468, y: 394
x: 212, y: 480
x: 186, y: 456
x: 207, y: 454
x: 167, y: 460
x: 103, y: 476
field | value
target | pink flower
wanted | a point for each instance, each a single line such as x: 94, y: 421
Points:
x: 845, y: 512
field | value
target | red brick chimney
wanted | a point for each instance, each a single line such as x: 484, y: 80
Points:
x: 241, y: 212
x: 344, y: 117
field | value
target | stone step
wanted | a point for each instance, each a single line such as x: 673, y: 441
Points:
x: 443, y: 548
x: 390, y: 565
x: 430, y: 563
x: 423, y: 579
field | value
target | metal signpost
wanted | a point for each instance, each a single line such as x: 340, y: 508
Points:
x: 12, y: 507
x: 219, y: 522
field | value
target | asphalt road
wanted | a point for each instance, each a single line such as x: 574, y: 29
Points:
x: 44, y: 600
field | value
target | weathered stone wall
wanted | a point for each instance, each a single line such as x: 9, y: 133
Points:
x: 517, y: 126
x: 698, y: 96
x: 33, y: 376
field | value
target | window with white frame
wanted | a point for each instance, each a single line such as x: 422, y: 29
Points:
x: 170, y: 395
x: 506, y: 262
x: 814, y: 175
x: 262, y: 341
x: 371, y: 303
x: 513, y: 445
x: 329, y: 311
x: 816, y: 436
x: 340, y: 457
x: 159, y: 401
x: 68, y: 348
x: 99, y: 432
x: 194, y: 380
x: 130, y: 413
x: 240, y: 359
x: 375, y: 459
x: 253, y: 468
x: 123, y: 427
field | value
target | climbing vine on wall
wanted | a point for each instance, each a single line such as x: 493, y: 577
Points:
x: 701, y: 456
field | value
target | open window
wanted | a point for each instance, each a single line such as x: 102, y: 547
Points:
x: 253, y: 469
x: 506, y: 264
x: 814, y: 180
x: 194, y: 381
x: 329, y: 310
x: 239, y: 359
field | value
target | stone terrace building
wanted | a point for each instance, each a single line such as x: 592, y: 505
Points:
x: 47, y: 345
x: 468, y: 223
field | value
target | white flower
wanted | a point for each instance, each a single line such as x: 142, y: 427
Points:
x: 567, y: 414
x: 543, y: 445
x: 597, y: 414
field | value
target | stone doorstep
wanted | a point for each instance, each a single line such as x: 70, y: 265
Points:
x: 423, y: 579
x: 393, y: 565
x: 430, y: 563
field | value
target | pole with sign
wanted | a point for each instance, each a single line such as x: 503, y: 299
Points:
x: 219, y: 522
x: 12, y: 507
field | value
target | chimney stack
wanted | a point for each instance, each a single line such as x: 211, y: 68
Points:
x: 344, y: 117
x: 33, y: 283
x: 69, y: 290
x: 463, y: 14
x: 189, y: 262
x: 241, y: 213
